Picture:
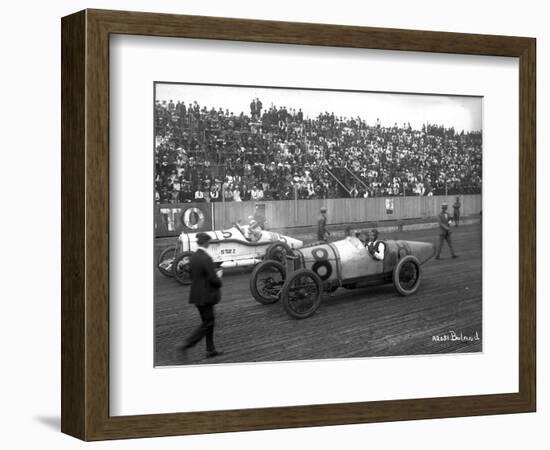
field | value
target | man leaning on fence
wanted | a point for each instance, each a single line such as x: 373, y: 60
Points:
x: 322, y: 232
x: 456, y: 211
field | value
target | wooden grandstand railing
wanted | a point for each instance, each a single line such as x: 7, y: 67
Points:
x: 357, y: 178
x: 342, y: 185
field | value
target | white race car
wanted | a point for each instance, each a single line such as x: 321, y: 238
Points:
x: 235, y: 247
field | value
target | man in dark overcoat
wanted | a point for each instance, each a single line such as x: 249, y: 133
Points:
x: 205, y: 293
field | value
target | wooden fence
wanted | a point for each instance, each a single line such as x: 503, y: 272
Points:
x: 301, y: 213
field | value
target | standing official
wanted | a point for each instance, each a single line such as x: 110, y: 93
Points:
x: 322, y: 231
x: 456, y: 211
x: 444, y: 231
x: 204, y: 294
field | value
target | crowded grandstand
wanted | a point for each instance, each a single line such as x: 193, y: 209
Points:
x: 278, y: 153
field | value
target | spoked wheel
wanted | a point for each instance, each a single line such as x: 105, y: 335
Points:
x: 301, y: 295
x: 267, y: 281
x: 407, y: 275
x: 180, y: 268
x: 165, y: 261
x: 277, y: 252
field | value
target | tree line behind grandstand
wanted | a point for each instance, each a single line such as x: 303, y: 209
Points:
x: 277, y: 153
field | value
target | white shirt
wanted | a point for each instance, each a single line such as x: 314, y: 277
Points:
x: 378, y: 255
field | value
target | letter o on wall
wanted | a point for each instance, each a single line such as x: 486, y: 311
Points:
x: 193, y: 218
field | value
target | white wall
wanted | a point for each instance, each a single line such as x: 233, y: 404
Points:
x: 30, y: 170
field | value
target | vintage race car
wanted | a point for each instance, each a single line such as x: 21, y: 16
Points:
x: 235, y: 247
x: 324, y: 267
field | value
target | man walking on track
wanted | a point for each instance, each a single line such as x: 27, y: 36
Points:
x: 322, y: 231
x: 444, y: 231
x: 204, y: 294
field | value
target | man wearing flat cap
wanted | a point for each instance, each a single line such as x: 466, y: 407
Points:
x: 444, y: 220
x: 204, y: 294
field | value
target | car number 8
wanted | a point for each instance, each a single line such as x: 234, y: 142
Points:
x: 322, y: 266
x: 323, y: 269
x: 319, y: 254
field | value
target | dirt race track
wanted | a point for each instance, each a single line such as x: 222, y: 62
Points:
x: 373, y: 321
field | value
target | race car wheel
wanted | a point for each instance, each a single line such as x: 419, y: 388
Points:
x: 165, y: 260
x: 277, y: 252
x: 407, y: 275
x: 267, y: 281
x: 180, y: 268
x: 301, y: 294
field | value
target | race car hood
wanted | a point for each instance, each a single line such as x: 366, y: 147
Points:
x: 424, y: 251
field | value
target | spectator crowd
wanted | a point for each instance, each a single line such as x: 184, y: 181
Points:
x: 278, y: 153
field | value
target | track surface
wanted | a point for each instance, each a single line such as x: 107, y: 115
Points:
x: 373, y: 321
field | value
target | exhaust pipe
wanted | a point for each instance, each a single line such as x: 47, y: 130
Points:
x: 240, y: 263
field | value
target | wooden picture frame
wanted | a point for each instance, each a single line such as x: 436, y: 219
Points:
x: 85, y: 224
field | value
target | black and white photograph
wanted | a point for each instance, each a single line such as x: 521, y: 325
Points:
x: 269, y: 225
x: 298, y: 224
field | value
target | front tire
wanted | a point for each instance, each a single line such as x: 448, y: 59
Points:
x: 267, y: 281
x: 165, y: 261
x: 407, y: 275
x: 180, y: 268
x: 301, y: 294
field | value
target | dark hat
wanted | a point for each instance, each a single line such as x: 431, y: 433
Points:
x: 203, y: 238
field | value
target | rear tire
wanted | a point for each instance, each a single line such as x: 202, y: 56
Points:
x: 407, y: 275
x: 266, y: 282
x: 301, y: 294
x: 165, y: 261
x: 180, y: 268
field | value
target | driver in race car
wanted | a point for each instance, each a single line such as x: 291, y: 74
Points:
x: 375, y: 247
x: 254, y: 231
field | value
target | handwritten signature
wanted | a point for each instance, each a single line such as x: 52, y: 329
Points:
x: 453, y: 336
